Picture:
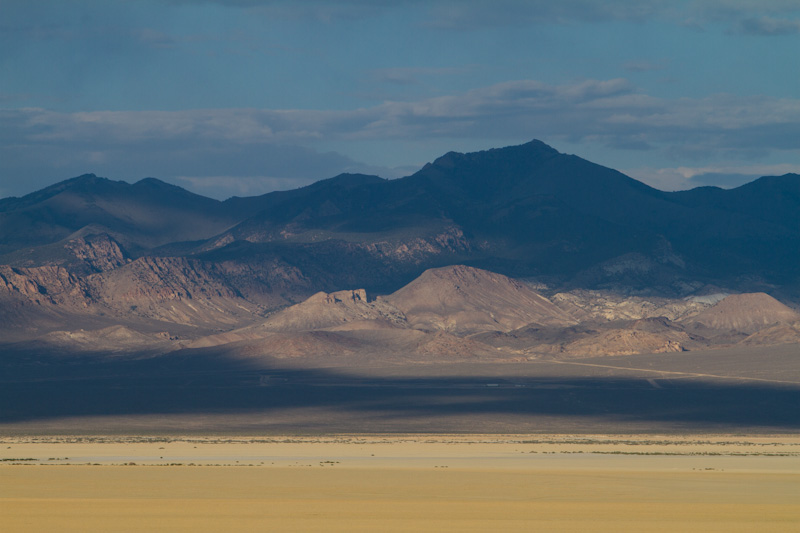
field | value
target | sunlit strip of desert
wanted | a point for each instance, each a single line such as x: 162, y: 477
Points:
x: 401, y: 483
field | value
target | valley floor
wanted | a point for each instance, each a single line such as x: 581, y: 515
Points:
x: 401, y: 483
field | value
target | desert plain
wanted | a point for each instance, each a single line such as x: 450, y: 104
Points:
x: 401, y: 483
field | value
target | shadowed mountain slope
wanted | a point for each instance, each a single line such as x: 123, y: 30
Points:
x: 144, y: 215
x: 521, y: 211
x: 529, y: 210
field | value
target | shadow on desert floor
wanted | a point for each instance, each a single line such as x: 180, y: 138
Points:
x: 268, y: 396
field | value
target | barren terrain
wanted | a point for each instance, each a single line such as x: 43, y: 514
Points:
x: 402, y: 483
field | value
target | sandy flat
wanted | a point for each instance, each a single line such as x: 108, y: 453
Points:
x: 420, y: 483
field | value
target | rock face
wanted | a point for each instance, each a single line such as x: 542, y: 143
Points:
x: 154, y: 279
x: 746, y: 313
x: 44, y: 285
x: 462, y: 299
x: 171, y: 289
x: 168, y: 289
x: 100, y: 253
x: 607, y: 306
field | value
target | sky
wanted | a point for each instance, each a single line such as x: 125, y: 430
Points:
x: 242, y: 97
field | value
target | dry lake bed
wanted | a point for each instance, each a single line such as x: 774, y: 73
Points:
x: 401, y: 483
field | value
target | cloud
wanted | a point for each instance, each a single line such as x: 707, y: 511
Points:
x: 413, y: 75
x: 280, y: 143
x: 226, y: 186
x: 605, y: 111
x: 769, y: 26
x: 14, y: 97
x: 38, y: 148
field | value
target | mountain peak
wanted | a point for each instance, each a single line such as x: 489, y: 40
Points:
x: 535, y: 148
x: 80, y: 181
x: 348, y: 180
x: 154, y: 183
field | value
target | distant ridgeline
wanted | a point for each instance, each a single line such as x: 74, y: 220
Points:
x: 156, y: 252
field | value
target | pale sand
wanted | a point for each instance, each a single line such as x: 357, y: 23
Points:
x: 419, y: 483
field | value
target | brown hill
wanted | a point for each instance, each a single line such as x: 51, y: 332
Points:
x: 463, y: 299
x: 746, y: 313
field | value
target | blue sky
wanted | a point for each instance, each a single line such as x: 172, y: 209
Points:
x: 241, y: 97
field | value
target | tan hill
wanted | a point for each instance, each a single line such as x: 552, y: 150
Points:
x: 746, y: 313
x: 441, y: 344
x: 621, y: 337
x: 628, y: 342
x: 650, y: 335
x: 463, y: 299
x: 339, y: 310
x: 774, y: 335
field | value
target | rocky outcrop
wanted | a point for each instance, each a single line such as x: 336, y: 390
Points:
x: 269, y: 282
x: 604, y: 305
x: 157, y: 279
x: 100, y: 253
x: 419, y: 249
x: 335, y: 310
x: 178, y: 290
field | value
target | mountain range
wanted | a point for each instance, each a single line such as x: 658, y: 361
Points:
x: 517, y: 251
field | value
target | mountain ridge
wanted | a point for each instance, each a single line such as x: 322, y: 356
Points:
x: 525, y: 211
